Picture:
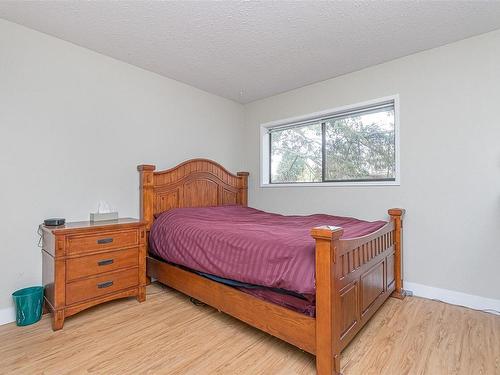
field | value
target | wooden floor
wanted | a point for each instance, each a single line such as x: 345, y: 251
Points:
x: 169, y: 335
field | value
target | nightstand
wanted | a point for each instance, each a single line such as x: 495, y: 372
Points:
x: 88, y: 263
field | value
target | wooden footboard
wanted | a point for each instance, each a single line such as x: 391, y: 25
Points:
x: 353, y: 278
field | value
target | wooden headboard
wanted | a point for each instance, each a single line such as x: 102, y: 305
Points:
x: 194, y: 183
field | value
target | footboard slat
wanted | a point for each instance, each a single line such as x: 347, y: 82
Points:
x: 355, y: 253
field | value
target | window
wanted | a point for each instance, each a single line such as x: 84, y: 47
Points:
x: 350, y: 145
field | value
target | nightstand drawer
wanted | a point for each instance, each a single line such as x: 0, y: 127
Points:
x: 102, y: 241
x: 78, y: 291
x: 89, y: 265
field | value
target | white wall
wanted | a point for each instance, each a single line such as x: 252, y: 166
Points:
x: 73, y: 126
x: 450, y: 160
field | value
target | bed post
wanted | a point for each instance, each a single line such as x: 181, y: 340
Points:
x: 397, y: 217
x: 243, y: 193
x: 328, y: 308
x: 146, y: 186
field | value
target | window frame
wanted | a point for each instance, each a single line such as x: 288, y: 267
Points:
x: 265, y: 146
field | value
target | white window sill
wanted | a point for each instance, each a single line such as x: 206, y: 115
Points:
x: 332, y: 184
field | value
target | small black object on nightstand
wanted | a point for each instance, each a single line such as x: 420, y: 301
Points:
x: 54, y: 222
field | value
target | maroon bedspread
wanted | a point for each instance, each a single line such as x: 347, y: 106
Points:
x: 246, y: 244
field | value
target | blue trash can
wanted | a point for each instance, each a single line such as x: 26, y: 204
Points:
x: 29, y: 302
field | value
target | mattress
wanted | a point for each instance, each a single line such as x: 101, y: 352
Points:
x: 274, y: 252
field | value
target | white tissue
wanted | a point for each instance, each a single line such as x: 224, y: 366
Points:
x: 103, y: 207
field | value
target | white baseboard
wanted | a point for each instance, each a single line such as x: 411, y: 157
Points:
x: 455, y: 298
x: 7, y: 315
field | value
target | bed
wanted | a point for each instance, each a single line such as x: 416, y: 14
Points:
x: 353, y: 272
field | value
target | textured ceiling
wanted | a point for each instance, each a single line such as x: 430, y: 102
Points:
x: 250, y: 50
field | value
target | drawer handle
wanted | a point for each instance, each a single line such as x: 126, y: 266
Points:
x: 104, y: 240
x: 105, y: 262
x: 105, y: 284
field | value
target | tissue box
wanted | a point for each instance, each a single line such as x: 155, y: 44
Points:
x: 96, y: 216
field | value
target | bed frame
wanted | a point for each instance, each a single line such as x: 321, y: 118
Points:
x: 353, y: 277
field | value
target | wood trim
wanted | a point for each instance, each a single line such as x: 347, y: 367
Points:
x: 76, y: 308
x: 397, y: 218
x: 143, y: 280
x: 82, y: 227
x: 327, y: 300
x: 244, y: 188
x: 147, y: 196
